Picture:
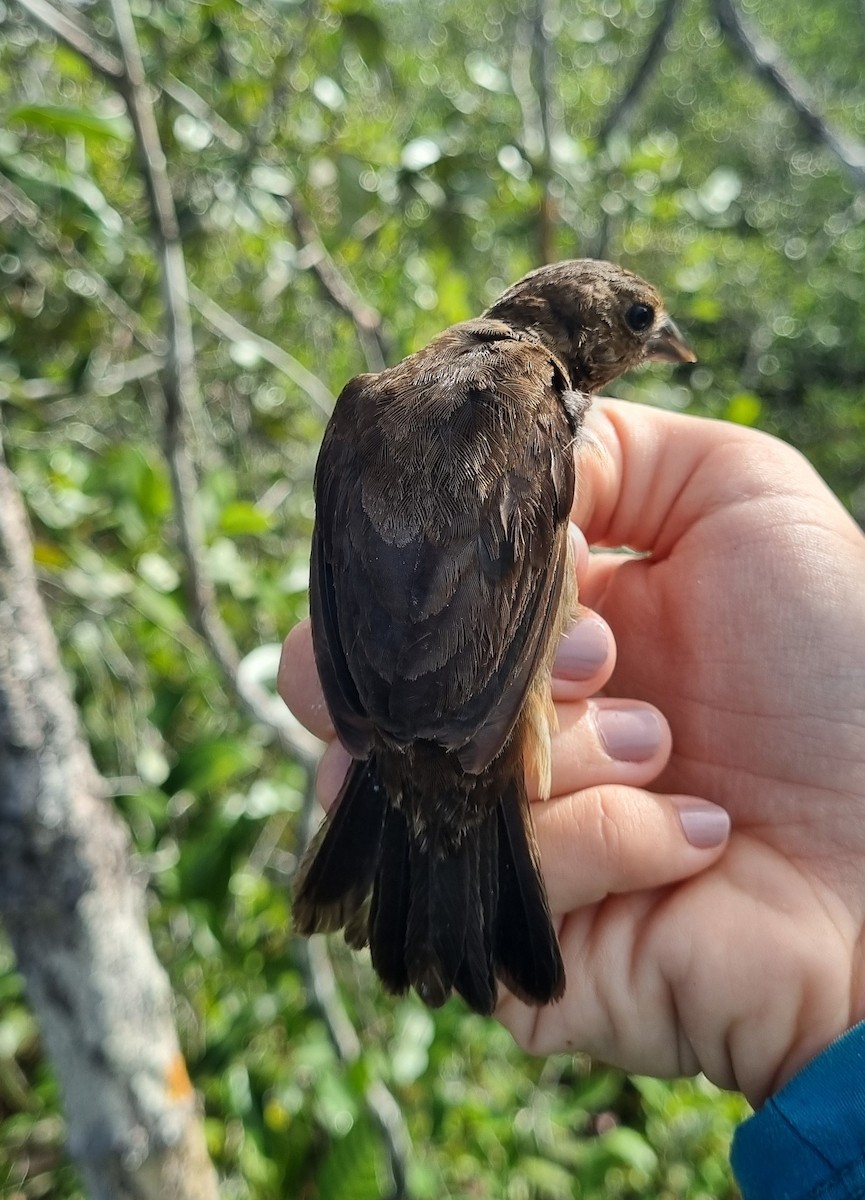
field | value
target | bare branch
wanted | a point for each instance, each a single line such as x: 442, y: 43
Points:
x: 77, y: 37
x: 383, y: 1108
x: 543, y: 60
x: 180, y: 381
x: 15, y: 204
x: 229, y: 327
x: 767, y: 61
x: 337, y: 289
x: 132, y: 86
x: 111, y: 380
x: 181, y: 93
x: 534, y: 87
x: 321, y: 985
x: 622, y: 111
x: 543, y: 67
x: 75, y: 913
x: 180, y: 390
x: 86, y: 42
x: 533, y: 137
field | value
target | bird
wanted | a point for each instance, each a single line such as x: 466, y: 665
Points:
x: 441, y: 580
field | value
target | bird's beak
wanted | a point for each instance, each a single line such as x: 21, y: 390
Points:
x: 667, y: 345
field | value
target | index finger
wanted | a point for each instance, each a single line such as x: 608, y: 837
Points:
x: 646, y: 475
x: 298, y: 682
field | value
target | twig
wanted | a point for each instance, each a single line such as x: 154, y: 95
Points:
x: 534, y: 141
x: 322, y: 986
x: 114, y: 377
x: 227, y: 325
x: 180, y: 389
x: 534, y: 88
x: 337, y: 289
x: 766, y: 60
x: 14, y: 203
x: 543, y: 58
x: 622, y: 110
x: 383, y: 1108
x: 179, y: 382
x: 181, y: 93
x: 77, y: 37
x: 180, y: 379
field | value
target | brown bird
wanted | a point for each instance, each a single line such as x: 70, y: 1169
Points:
x: 442, y: 579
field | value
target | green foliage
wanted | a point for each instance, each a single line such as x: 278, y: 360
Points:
x: 412, y: 135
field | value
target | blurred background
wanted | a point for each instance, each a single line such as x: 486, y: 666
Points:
x: 349, y: 177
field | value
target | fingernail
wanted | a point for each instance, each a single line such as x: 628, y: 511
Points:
x: 629, y: 734
x: 705, y: 825
x: 583, y: 650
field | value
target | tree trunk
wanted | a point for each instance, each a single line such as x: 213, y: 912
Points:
x: 74, y: 909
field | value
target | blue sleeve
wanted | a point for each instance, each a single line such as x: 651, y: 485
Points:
x: 808, y: 1141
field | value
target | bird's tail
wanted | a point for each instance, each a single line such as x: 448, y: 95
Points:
x: 437, y: 917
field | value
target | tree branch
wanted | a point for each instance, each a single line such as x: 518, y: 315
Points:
x: 321, y: 986
x: 533, y: 125
x: 534, y: 87
x: 181, y: 93
x: 77, y: 37
x: 179, y: 385
x: 229, y: 327
x: 337, y: 289
x: 383, y: 1108
x: 115, y: 376
x: 622, y: 110
x: 75, y: 913
x: 766, y: 60
x: 16, y: 204
x: 179, y: 381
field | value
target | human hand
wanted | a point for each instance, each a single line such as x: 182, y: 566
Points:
x: 605, y: 752
x: 609, y: 745
x: 746, y: 627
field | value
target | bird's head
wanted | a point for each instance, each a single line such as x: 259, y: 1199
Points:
x: 598, y: 318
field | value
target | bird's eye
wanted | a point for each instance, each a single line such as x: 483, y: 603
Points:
x: 640, y: 317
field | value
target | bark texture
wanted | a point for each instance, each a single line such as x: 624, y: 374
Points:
x: 73, y: 906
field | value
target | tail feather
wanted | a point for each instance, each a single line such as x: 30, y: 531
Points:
x: 337, y: 873
x: 476, y: 979
x: 388, y: 920
x: 526, y: 949
x: 437, y: 918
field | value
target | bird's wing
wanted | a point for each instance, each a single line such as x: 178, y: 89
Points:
x: 442, y: 493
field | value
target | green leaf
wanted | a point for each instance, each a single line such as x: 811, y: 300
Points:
x: 55, y: 178
x: 64, y: 120
x: 210, y: 765
x: 351, y: 1170
x: 241, y: 517
x: 631, y: 1148
x: 549, y: 1180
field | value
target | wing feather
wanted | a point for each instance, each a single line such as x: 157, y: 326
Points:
x: 442, y: 495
